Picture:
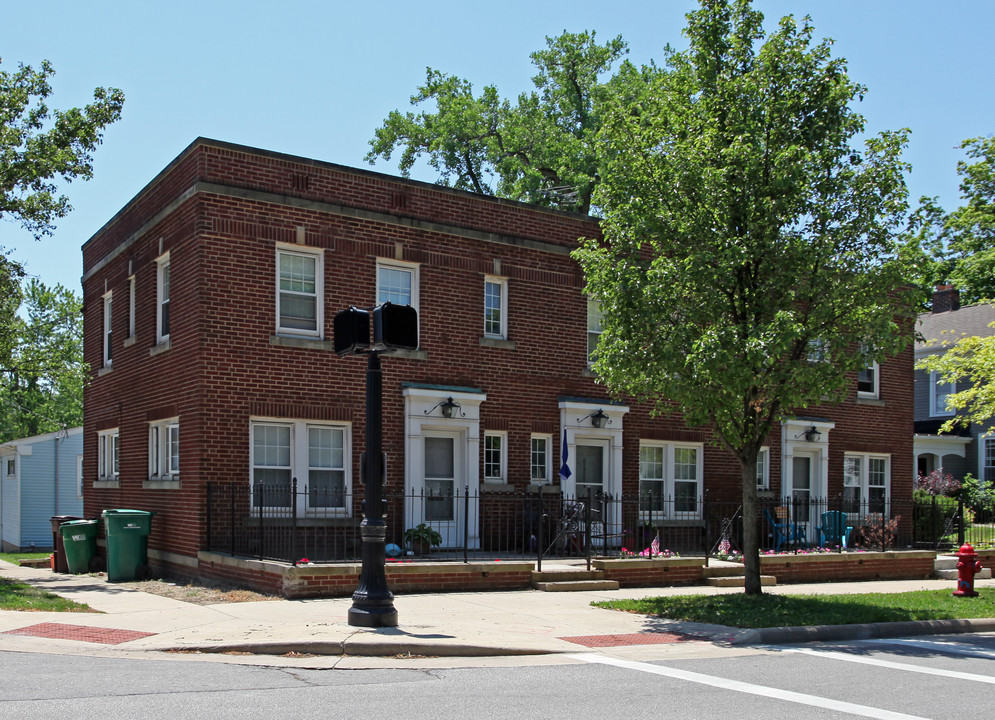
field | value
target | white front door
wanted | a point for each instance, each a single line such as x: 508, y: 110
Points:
x: 591, y: 467
x: 442, y: 484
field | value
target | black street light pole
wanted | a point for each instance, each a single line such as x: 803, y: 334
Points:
x: 373, y: 602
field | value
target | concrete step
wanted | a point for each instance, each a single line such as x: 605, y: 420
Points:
x: 566, y: 575
x: 738, y: 581
x: 951, y: 574
x: 945, y: 562
x: 576, y: 585
x: 723, y: 571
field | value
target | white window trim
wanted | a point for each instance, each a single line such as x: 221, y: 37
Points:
x: 319, y: 289
x: 503, y: 477
x: 876, y: 392
x: 413, y: 268
x: 162, y: 262
x: 983, y: 440
x: 763, y: 480
x: 108, y: 451
x: 160, y: 442
x: 670, y: 480
x: 131, y: 307
x: 934, y: 409
x: 593, y: 306
x: 299, y: 466
x: 107, y: 334
x: 549, y: 458
x: 502, y: 283
x: 864, y: 479
x: 11, y: 466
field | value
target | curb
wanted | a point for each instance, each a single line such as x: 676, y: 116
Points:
x: 361, y: 649
x: 866, y: 631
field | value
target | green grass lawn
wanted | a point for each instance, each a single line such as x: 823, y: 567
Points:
x: 758, y: 611
x: 19, y: 596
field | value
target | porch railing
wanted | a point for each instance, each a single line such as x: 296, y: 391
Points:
x: 294, y: 522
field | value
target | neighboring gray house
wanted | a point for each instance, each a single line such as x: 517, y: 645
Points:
x: 965, y: 450
x: 40, y: 477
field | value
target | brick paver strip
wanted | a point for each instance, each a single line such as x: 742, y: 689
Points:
x: 58, y: 631
x: 629, y: 639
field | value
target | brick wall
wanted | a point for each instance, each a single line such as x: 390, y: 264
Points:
x: 833, y: 567
x: 220, y: 211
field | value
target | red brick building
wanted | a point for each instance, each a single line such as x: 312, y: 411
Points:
x: 209, y: 301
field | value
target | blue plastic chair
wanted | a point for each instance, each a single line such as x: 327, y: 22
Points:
x: 834, y: 530
x: 783, y: 529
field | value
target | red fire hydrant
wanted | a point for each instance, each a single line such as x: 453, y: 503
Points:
x: 967, y: 567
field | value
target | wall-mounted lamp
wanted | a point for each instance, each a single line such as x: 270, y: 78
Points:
x: 598, y: 419
x: 449, y: 408
x: 811, y: 435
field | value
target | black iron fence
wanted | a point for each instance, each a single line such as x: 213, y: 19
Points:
x: 321, y: 524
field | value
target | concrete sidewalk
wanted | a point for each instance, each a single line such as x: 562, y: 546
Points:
x: 450, y: 625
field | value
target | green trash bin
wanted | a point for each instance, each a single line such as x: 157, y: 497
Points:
x: 127, y: 534
x: 79, y: 538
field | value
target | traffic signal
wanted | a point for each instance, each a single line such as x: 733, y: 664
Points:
x: 395, y: 327
x: 352, y: 331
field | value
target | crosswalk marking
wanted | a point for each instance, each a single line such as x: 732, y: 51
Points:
x: 738, y: 686
x: 946, y: 646
x: 889, y: 664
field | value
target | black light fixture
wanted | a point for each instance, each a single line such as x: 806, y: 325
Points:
x: 812, y: 434
x: 448, y: 407
x: 598, y: 419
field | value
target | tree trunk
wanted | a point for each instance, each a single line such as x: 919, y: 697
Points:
x: 751, y: 536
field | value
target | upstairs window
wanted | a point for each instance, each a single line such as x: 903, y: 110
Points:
x: 162, y: 299
x: 107, y: 335
x: 594, y: 329
x: 939, y: 391
x: 495, y: 307
x: 867, y: 381
x: 397, y: 283
x: 299, y: 292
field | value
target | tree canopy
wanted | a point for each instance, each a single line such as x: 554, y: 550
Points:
x: 41, y: 383
x: 752, y: 258
x: 540, y: 149
x: 961, y: 244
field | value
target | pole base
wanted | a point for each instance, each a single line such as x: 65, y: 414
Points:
x: 373, y: 618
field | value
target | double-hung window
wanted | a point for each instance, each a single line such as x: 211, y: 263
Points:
x: 315, y: 455
x: 162, y: 299
x: 108, y: 467
x: 495, y: 457
x: 299, y: 290
x: 108, y: 358
x: 938, y: 393
x: 164, y: 449
x: 594, y: 321
x: 866, y: 483
x: 669, y: 479
x: 11, y: 466
x: 763, y: 469
x: 988, y: 459
x: 496, y: 307
x: 541, y: 459
x: 868, y: 381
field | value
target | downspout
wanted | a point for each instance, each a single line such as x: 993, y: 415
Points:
x: 55, y: 496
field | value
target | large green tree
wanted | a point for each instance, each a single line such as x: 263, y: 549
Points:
x: 40, y: 146
x: 962, y: 242
x: 41, y: 384
x: 540, y: 149
x: 751, y: 256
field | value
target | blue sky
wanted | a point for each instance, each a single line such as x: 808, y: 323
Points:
x: 316, y: 78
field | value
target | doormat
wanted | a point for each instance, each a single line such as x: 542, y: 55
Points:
x: 83, y: 633
x: 595, y: 641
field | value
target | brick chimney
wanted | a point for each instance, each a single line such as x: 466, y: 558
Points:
x: 946, y: 298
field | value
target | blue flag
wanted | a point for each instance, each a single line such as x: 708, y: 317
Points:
x: 564, y: 457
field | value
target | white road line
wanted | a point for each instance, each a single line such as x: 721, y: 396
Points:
x: 889, y: 664
x: 737, y: 686
x: 946, y: 646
